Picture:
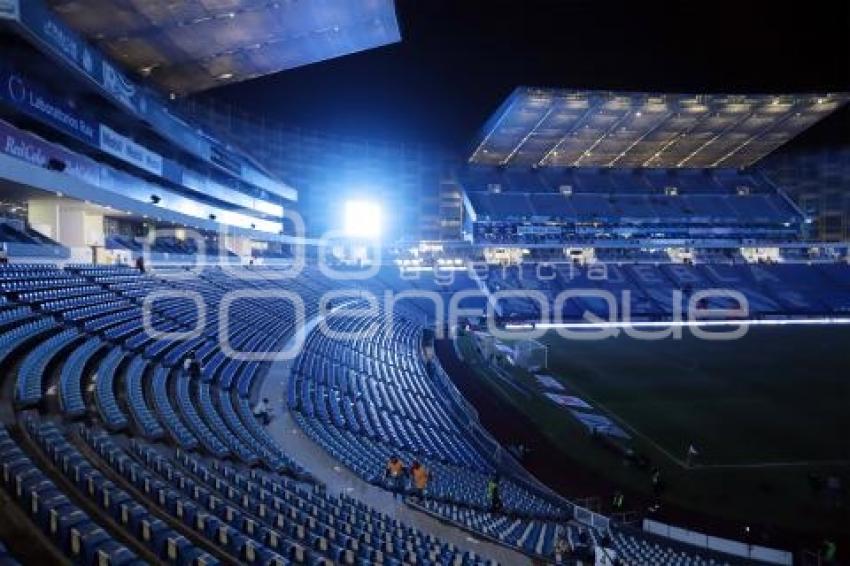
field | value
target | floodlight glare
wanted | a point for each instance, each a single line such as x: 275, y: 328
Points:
x: 362, y: 219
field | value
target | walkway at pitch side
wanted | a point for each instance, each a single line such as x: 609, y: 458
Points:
x: 340, y: 479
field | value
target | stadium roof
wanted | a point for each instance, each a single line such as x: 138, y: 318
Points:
x: 574, y: 128
x: 193, y: 45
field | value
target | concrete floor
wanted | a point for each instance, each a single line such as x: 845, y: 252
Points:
x: 340, y: 479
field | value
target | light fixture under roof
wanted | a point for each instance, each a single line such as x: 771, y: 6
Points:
x: 541, y: 128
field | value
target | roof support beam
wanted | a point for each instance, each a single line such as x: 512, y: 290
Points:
x: 716, y: 137
x: 588, y: 113
x: 528, y: 135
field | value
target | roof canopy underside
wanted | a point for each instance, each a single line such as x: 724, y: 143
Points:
x: 193, y: 45
x: 570, y: 128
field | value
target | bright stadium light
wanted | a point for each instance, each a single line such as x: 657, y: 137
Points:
x: 362, y: 219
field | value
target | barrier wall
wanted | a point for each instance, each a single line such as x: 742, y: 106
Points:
x: 37, y: 151
x: 27, y: 96
x: 717, y: 544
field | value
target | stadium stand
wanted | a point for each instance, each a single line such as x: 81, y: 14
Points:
x: 116, y: 451
x: 220, y: 424
x: 614, y: 204
x: 362, y: 399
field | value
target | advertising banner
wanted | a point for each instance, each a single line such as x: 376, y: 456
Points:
x: 127, y: 150
x: 38, y: 21
x: 38, y: 152
x: 28, y: 97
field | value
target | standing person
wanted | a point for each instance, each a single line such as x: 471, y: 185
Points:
x: 419, y: 476
x: 140, y: 264
x: 692, y: 453
x: 657, y: 485
x: 263, y: 411
x: 617, y: 501
x: 4, y: 254
x: 562, y: 548
x: 494, y: 496
x: 830, y: 550
x: 194, y: 365
x: 394, y: 474
x: 269, y: 410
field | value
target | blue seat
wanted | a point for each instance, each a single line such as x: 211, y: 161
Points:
x: 162, y: 401
x: 143, y: 416
x: 107, y: 403
x: 71, y: 377
x: 31, y: 371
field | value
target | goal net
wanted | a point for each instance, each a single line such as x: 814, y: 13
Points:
x: 531, y: 355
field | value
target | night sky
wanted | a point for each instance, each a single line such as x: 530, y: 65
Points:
x: 459, y: 59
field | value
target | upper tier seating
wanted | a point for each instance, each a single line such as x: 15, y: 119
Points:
x: 22, y: 241
x: 551, y: 205
x: 166, y: 246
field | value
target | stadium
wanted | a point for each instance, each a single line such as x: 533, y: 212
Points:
x: 424, y: 283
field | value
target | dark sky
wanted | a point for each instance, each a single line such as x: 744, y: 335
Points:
x: 458, y: 59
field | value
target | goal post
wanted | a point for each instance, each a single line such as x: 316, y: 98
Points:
x: 531, y: 355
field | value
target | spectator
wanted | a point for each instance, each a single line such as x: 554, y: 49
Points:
x: 691, y: 455
x: 419, y: 476
x: 657, y: 484
x: 140, y: 264
x: 562, y: 549
x: 617, y: 501
x: 263, y: 411
x: 830, y: 549
x: 395, y: 475
x: 194, y: 367
x: 4, y: 254
x: 494, y: 496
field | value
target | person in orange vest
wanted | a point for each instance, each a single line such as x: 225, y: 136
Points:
x: 419, y: 476
x: 395, y: 475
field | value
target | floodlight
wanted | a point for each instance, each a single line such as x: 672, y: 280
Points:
x: 362, y: 219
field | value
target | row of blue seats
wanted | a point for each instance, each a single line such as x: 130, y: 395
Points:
x: 68, y: 527
x: 770, y: 209
x: 769, y: 289
x: 533, y: 537
x: 28, y: 385
x: 71, y: 398
x: 25, y: 282
x: 449, y: 483
x: 32, y: 370
x: 346, y: 529
x: 143, y: 417
x: 163, y: 541
x: 106, y: 401
x: 202, y: 432
x: 389, y: 411
x: 151, y: 423
x: 634, y: 548
x: 167, y: 415
x: 201, y: 510
x: 611, y: 180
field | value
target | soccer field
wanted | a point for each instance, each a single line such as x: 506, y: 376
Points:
x: 777, y: 395
x: 765, y: 411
